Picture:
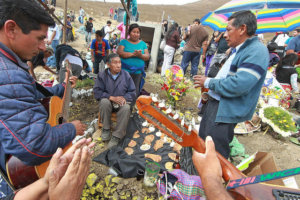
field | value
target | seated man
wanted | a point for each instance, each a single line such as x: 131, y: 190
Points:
x: 115, y: 90
x: 39, y: 60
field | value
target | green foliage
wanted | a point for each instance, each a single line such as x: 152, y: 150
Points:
x: 282, y: 119
x: 84, y: 83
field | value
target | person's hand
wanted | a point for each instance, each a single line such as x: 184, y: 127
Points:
x: 99, y: 51
x: 49, y: 42
x: 73, y: 80
x: 199, y: 80
x: 119, y: 100
x: 138, y: 53
x: 80, y: 127
x: 60, y: 161
x: 208, y: 164
x: 93, y: 59
x: 72, y: 183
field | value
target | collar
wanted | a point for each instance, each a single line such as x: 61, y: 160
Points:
x: 8, y: 53
x: 116, y: 75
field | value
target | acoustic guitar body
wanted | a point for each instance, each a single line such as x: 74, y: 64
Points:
x: 21, y: 175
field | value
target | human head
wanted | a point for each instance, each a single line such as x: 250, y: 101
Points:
x: 108, y: 23
x: 48, y: 52
x: 114, y: 63
x: 99, y: 35
x: 68, y: 18
x: 91, y: 19
x: 115, y: 36
x: 289, y: 59
x: 272, y: 46
x: 23, y: 27
x: 196, y: 21
x: 241, y: 26
x: 134, y: 32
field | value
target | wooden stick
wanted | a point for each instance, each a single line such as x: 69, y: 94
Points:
x: 50, y: 11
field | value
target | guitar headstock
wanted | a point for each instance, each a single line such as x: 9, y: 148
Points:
x: 168, y: 121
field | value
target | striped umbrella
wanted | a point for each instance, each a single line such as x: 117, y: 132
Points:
x: 237, y: 5
x: 268, y: 20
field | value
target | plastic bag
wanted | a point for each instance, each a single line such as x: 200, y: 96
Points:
x: 162, y: 44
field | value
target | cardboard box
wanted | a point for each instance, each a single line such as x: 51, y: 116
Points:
x: 263, y: 163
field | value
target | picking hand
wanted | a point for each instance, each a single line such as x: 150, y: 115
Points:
x: 73, y: 80
x: 80, y: 127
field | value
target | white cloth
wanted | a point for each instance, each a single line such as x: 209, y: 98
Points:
x: 81, y: 12
x: 74, y: 60
x: 168, y: 57
x: 107, y: 29
x: 280, y: 40
x: 51, y: 30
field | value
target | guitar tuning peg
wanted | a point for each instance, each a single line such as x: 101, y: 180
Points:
x: 176, y: 116
x: 161, y: 104
x: 190, y: 128
x: 169, y: 110
x: 182, y: 122
x: 193, y: 122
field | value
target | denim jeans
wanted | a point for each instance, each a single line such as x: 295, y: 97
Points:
x: 51, y: 62
x: 194, y: 58
x: 88, y: 36
x: 98, y: 60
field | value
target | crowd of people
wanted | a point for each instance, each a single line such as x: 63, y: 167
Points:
x: 235, y: 66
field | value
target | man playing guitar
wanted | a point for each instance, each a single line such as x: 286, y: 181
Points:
x: 24, y: 131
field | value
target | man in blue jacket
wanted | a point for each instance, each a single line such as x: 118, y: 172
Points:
x: 115, y: 90
x: 24, y: 132
x: 234, y: 92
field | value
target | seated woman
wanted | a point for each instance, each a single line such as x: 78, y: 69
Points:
x: 134, y: 53
x: 286, y: 73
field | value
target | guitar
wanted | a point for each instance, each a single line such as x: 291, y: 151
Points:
x: 21, y: 175
x: 151, y: 111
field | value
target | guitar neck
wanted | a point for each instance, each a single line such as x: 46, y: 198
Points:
x: 68, y: 90
x: 150, y: 111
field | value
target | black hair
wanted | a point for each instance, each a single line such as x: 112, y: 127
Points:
x: 272, y: 46
x: 111, y: 56
x: 171, y: 30
x: 244, y: 17
x: 115, y: 34
x: 108, y: 22
x: 287, y: 60
x: 133, y: 26
x: 28, y: 14
x: 298, y: 30
x: 197, y: 20
x: 90, y: 18
x: 99, y: 33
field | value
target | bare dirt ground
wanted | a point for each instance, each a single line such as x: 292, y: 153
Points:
x: 285, y: 153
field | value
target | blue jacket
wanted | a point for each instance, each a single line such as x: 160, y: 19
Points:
x: 24, y: 132
x: 240, y: 90
x: 105, y: 86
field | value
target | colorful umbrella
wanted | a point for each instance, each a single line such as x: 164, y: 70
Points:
x: 268, y: 20
x: 237, y: 5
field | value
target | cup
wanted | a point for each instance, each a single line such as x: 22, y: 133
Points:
x: 151, y: 173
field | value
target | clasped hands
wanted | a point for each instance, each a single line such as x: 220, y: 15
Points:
x: 119, y: 100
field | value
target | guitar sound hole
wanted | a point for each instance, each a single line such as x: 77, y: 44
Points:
x: 60, y: 120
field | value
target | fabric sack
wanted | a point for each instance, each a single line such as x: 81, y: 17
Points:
x: 179, y: 185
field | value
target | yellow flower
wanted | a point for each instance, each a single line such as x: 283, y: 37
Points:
x: 176, y: 98
x: 276, y: 113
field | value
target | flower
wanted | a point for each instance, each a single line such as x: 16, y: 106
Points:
x: 175, y: 84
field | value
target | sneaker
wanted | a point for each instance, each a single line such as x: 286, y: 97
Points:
x: 113, y: 142
x: 105, y: 134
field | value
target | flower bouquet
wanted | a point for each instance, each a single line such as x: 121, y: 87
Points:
x: 279, y: 119
x: 175, y: 84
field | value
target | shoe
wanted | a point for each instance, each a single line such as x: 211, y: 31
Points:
x: 113, y: 142
x: 105, y: 134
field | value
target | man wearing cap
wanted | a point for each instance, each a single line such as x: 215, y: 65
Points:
x: 40, y: 60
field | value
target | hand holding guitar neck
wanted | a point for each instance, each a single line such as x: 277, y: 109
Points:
x: 80, y: 127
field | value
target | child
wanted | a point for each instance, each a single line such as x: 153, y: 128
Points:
x: 274, y: 57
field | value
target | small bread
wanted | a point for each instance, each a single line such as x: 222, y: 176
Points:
x: 172, y: 156
x: 132, y: 143
x: 129, y: 150
x: 158, y: 144
x: 136, y: 134
x: 169, y: 165
x: 154, y: 157
x: 149, y: 139
x: 177, y: 147
x: 145, y: 130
